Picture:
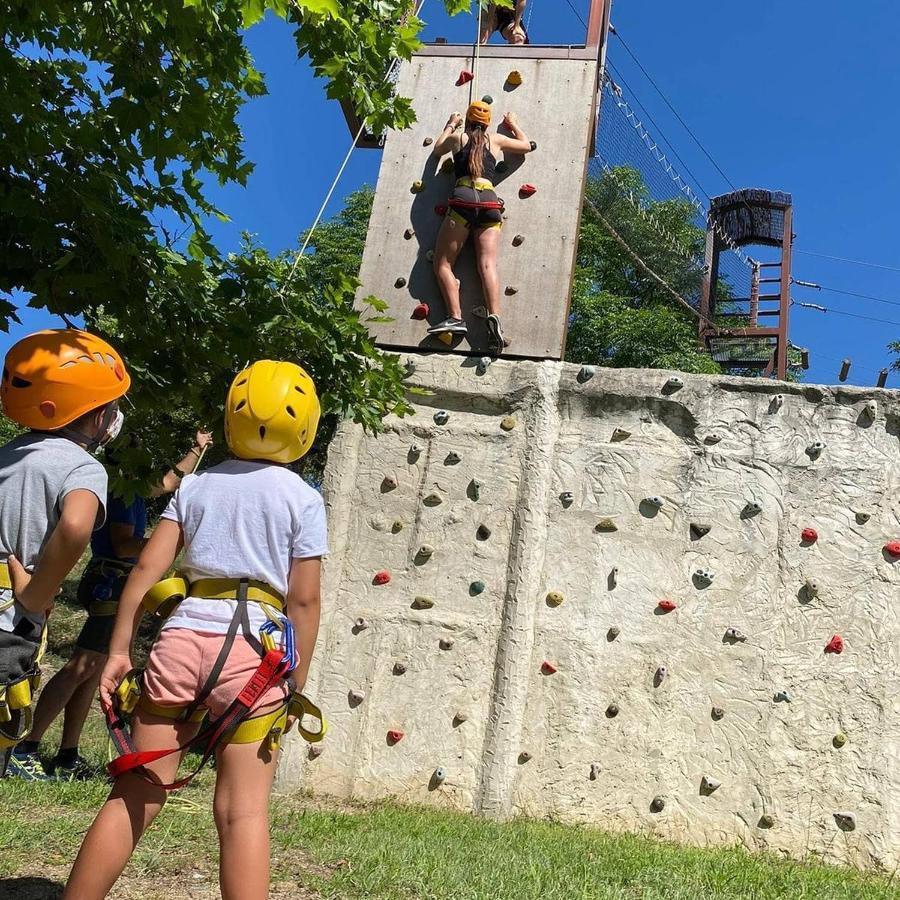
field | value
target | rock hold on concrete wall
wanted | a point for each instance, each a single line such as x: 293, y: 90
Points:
x: 846, y: 821
x: 441, y: 417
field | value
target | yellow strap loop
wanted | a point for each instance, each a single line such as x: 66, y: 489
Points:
x: 301, y: 706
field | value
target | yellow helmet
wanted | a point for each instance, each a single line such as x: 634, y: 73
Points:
x: 271, y: 412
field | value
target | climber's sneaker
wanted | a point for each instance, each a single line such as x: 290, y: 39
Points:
x: 449, y: 326
x: 77, y: 770
x: 496, y: 340
x: 27, y: 766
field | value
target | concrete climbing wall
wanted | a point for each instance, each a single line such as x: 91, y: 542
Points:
x: 555, y: 107
x: 618, y: 599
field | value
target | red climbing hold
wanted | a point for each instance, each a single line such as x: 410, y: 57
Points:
x: 527, y: 190
x: 464, y: 78
x: 395, y: 736
x: 441, y: 209
x: 381, y: 577
x: 547, y: 668
x: 892, y: 548
x: 835, y: 645
x: 421, y: 311
x: 809, y: 535
x: 667, y: 605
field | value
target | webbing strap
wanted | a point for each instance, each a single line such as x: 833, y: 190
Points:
x: 269, y: 672
x: 474, y: 204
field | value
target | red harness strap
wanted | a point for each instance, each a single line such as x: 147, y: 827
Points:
x: 475, y: 204
x: 271, y: 670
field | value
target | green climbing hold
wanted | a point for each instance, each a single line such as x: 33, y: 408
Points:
x: 433, y: 499
x: 396, y: 527
x: 554, y: 598
x: 487, y: 98
x: 422, y: 603
x: 606, y: 524
x: 839, y: 740
x: 476, y: 588
x: 507, y: 423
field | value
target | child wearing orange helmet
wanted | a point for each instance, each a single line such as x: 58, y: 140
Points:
x: 64, y: 386
x: 253, y: 534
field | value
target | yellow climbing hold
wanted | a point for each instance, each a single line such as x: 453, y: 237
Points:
x: 507, y: 423
x: 446, y: 337
x: 417, y: 187
x: 554, y: 598
x: 423, y: 603
x: 606, y: 524
x: 514, y: 78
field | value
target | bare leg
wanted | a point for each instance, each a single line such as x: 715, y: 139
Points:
x: 450, y: 241
x: 131, y: 806
x: 488, y: 24
x: 82, y: 667
x: 487, y: 243
x: 244, y: 775
x: 77, y: 709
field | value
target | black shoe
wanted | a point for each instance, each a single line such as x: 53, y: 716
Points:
x: 496, y: 341
x: 77, y: 770
x: 451, y: 325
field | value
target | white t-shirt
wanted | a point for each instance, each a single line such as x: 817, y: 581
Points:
x: 243, y: 520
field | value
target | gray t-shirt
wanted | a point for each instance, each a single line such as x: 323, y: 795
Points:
x: 36, y: 472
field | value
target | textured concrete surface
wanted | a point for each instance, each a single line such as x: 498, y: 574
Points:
x: 603, y: 736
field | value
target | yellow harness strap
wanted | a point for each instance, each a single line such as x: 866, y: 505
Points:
x: 477, y: 184
x: 4, y: 577
x: 227, y: 589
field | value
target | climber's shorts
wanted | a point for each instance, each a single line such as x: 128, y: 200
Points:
x: 179, y: 666
x: 475, y: 216
x: 98, y: 592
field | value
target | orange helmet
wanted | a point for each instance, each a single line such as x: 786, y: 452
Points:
x: 479, y: 112
x: 50, y: 378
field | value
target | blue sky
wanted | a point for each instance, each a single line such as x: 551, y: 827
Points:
x: 793, y: 96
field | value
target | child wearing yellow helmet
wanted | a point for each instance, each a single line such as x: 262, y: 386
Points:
x: 250, y: 528
x: 64, y: 387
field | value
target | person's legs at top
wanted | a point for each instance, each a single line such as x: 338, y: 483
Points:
x: 244, y: 776
x: 488, y: 23
x: 131, y: 806
x: 450, y: 241
x: 513, y: 29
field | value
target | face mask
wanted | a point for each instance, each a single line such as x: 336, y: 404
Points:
x: 114, y: 428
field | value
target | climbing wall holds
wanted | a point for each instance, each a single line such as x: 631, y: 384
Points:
x: 476, y: 588
x: 446, y: 338
x: 533, y: 145
x: 452, y: 458
x: 440, y: 210
x: 835, y: 645
x: 657, y: 805
x: 674, y: 384
x: 382, y: 577
x: 417, y: 187
x: 388, y: 483
x: 394, y: 736
x: 316, y: 750
x: 510, y: 291
x: 839, y: 740
x: 871, y: 410
x: 613, y: 578
x: 606, y: 524
x: 717, y: 713
x: 595, y: 771
x: 464, y: 78
x: 409, y: 366
x: 446, y: 643
x: 709, y: 785
x: 655, y: 502
x: 429, y: 255
x: 612, y: 711
x: 524, y: 756
x: 474, y: 489
x: 480, y: 312
x: 460, y: 716
x: 811, y: 588
x: 752, y: 508
x: 892, y: 548
x: 426, y: 551
x: 809, y: 535
x: 846, y: 821
x: 514, y: 79
x: 863, y: 517
x: 483, y: 532
x: 484, y: 363
x: 487, y: 98
x: 420, y: 311
x: 703, y: 577
x: 659, y: 676
x: 554, y: 598
x: 547, y: 668
x: 439, y: 776
x: 613, y: 632
x: 441, y: 417
x: 428, y: 142
x: 700, y: 529
x: 733, y: 636
x: 713, y: 437
x: 667, y: 605
x: 586, y: 373
x: 361, y: 624
x: 507, y: 423
x: 767, y: 820
x: 518, y: 240
x: 415, y: 450
x: 567, y: 498
x: 527, y: 190
x: 399, y: 668
x: 777, y: 402
x: 422, y: 603
x: 782, y: 697
x: 815, y: 449
x: 620, y: 434
x: 409, y: 234
x: 355, y: 697
x: 400, y: 282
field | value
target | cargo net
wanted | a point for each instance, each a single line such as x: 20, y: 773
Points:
x: 657, y: 210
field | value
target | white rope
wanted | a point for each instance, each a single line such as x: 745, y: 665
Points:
x: 477, y: 63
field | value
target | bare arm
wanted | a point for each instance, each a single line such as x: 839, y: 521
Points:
x: 449, y: 139
x: 186, y: 465
x: 303, y: 605
x: 518, y: 143
x: 61, y: 552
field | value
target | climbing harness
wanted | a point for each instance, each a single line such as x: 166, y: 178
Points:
x: 20, y: 660
x: 237, y: 724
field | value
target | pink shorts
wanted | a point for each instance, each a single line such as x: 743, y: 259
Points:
x: 180, y: 663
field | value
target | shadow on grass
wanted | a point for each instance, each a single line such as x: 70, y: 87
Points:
x: 30, y: 888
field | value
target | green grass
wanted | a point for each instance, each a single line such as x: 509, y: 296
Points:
x: 388, y: 852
